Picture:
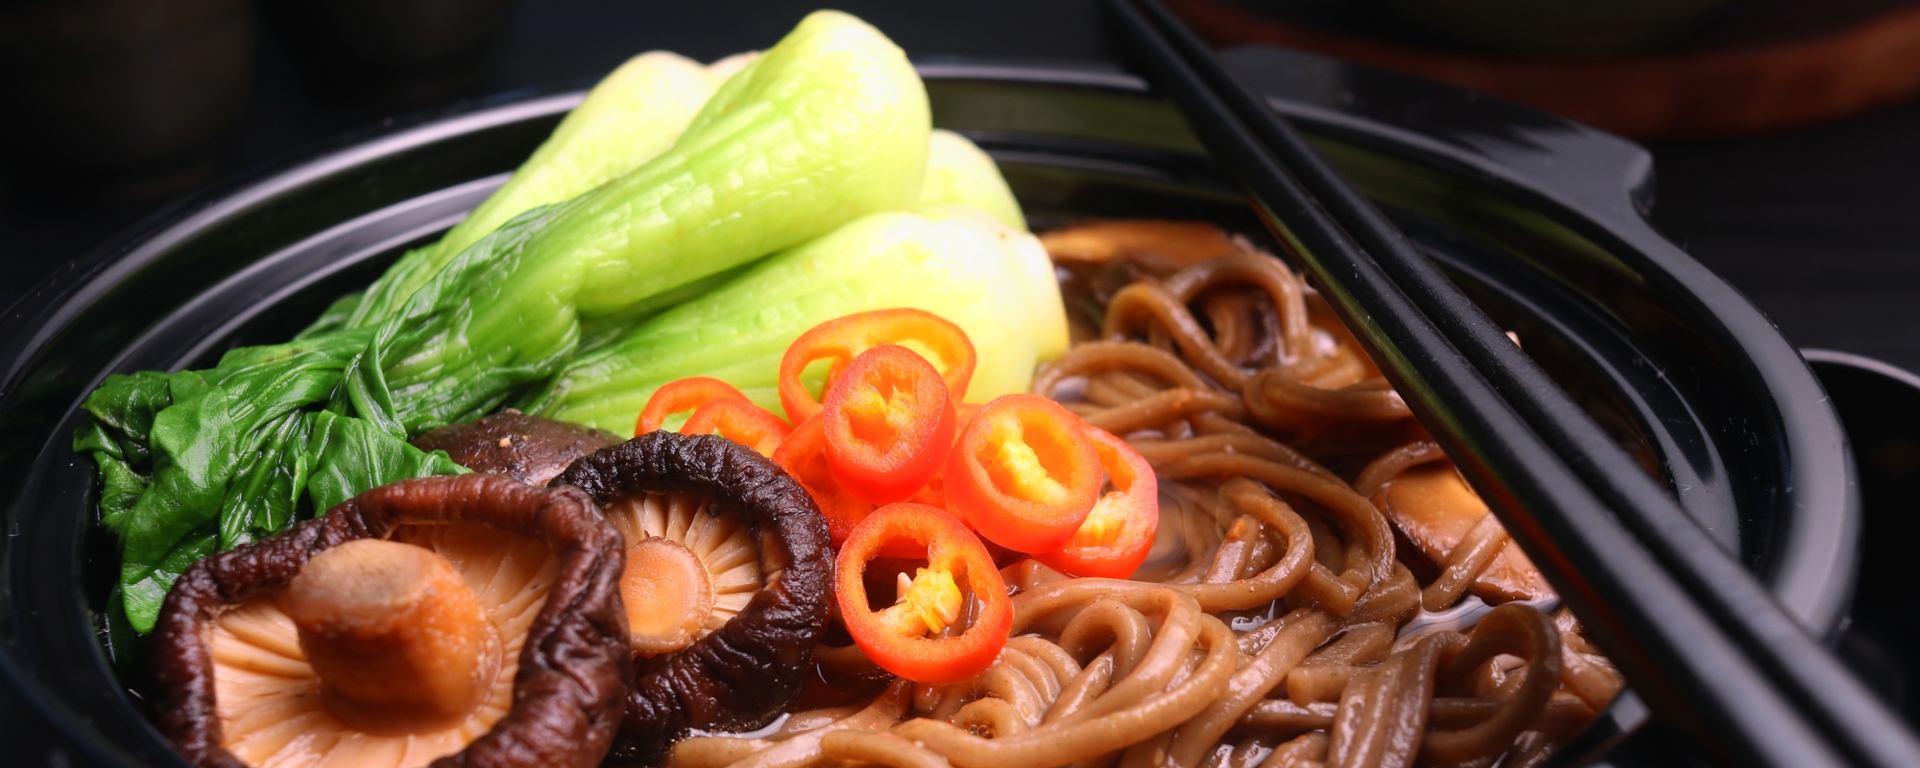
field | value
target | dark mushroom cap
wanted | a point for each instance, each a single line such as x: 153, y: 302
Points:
x: 743, y: 675
x: 526, y: 448
x: 575, y: 659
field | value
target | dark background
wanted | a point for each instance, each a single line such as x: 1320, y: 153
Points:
x: 1819, y: 226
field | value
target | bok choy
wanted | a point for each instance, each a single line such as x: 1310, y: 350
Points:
x: 828, y: 126
x: 959, y: 263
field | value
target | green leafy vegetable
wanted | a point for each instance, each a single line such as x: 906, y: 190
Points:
x: 828, y: 126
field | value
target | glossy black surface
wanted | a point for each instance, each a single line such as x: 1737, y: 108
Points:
x: 1880, y: 406
x: 1534, y: 215
x: 1694, y: 634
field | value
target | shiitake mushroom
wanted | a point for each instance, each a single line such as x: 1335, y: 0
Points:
x: 718, y: 541
x: 526, y: 448
x: 1434, y: 510
x: 744, y: 672
x: 692, y: 566
x: 467, y: 621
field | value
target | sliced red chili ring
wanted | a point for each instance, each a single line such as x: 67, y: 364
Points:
x: 681, y: 395
x: 803, y: 454
x: 1023, y: 474
x: 739, y: 420
x: 963, y: 415
x: 840, y: 340
x: 934, y: 491
x: 889, y: 424
x: 912, y: 637
x: 1117, y: 535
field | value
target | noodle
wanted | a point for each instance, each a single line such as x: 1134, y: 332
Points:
x: 1384, y: 708
x: 1471, y: 556
x: 1302, y: 752
x: 1251, y: 683
x: 1270, y: 627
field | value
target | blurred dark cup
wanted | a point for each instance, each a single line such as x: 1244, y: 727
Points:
x: 120, y: 99
x: 390, y: 52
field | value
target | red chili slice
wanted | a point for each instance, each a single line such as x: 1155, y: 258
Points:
x: 1117, y: 535
x: 803, y: 454
x: 681, y: 395
x: 1024, y: 474
x: 889, y: 424
x: 911, y: 638
x: 739, y: 420
x: 840, y: 340
x: 934, y: 492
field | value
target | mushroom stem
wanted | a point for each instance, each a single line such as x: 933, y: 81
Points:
x: 398, y: 641
x: 668, y: 595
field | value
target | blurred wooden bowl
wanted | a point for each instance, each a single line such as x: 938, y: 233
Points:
x: 1768, y: 67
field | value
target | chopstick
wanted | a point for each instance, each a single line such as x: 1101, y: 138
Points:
x: 1832, y: 695
x: 1739, y: 665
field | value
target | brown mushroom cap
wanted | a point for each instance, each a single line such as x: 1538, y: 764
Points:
x: 744, y: 674
x: 526, y: 448
x: 571, y: 666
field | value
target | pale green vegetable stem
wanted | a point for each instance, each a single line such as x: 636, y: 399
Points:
x: 958, y: 263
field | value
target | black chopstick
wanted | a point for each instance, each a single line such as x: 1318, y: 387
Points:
x: 1829, y: 692
x: 1454, y: 372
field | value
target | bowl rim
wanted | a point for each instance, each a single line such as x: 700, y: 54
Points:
x: 1601, y: 187
x: 1603, y: 196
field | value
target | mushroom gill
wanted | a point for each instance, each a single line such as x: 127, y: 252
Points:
x: 710, y: 498
x: 468, y: 620
x: 275, y: 705
x: 691, y: 568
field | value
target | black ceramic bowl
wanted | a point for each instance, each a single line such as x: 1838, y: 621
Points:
x: 1541, y: 220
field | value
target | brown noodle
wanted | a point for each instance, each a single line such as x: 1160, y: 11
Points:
x: 1267, y: 628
